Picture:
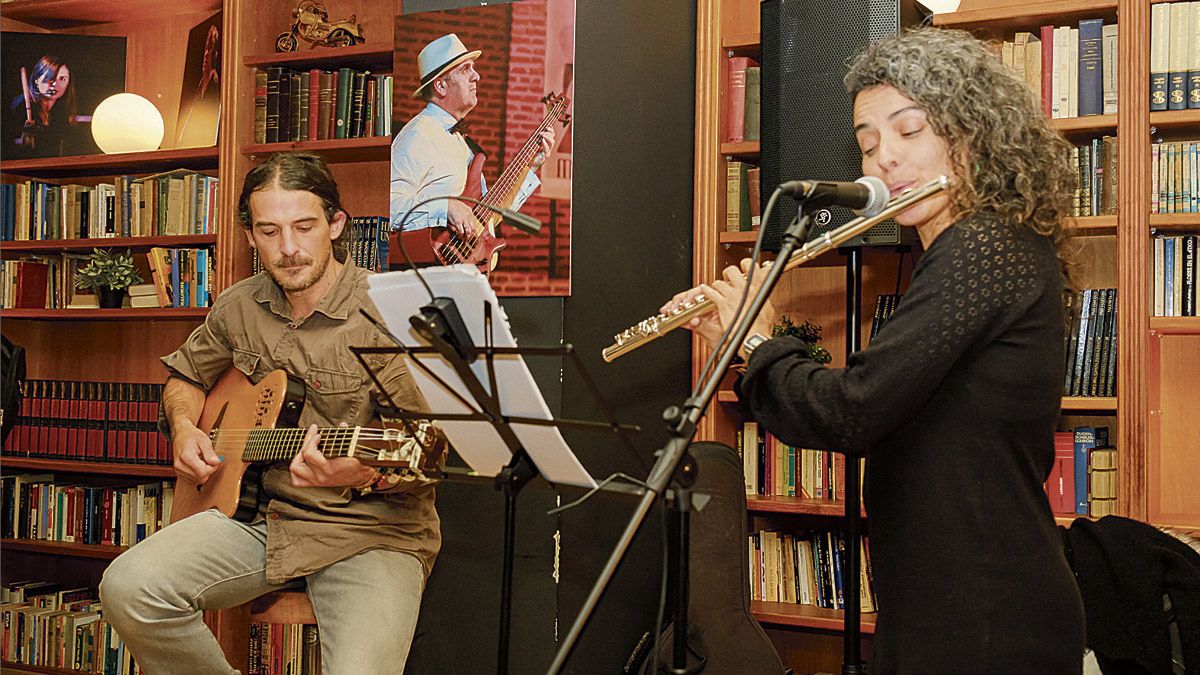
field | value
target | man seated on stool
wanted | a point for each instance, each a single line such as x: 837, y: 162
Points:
x: 362, y: 542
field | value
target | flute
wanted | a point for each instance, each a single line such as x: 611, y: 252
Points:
x: 661, y: 324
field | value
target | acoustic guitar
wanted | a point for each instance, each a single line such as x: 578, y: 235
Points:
x: 253, y: 426
x: 482, y: 245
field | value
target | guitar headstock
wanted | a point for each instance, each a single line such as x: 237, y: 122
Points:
x: 556, y: 107
x: 416, y: 447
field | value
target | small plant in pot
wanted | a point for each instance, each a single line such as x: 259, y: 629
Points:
x: 108, y: 274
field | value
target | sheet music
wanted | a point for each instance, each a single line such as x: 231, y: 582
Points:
x: 400, y: 295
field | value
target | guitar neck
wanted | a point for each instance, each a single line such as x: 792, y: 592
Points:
x: 506, y: 185
x: 273, y: 445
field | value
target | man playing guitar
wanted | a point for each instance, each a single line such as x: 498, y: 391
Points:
x: 362, y: 542
x: 430, y: 158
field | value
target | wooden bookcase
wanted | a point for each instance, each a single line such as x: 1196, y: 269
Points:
x: 125, y: 345
x: 1157, y: 368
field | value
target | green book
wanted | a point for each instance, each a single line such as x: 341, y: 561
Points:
x: 750, y: 126
x: 342, y: 118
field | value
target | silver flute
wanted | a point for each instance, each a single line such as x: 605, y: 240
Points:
x: 661, y: 324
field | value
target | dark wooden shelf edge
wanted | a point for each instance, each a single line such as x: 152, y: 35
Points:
x: 132, y: 162
x: 91, y: 314
x: 1075, y: 403
x: 12, y: 667
x: 63, y: 548
x: 1175, y: 118
x: 1175, y: 325
x: 804, y: 506
x: 173, y: 241
x: 776, y: 614
x: 1026, y: 14
x: 373, y: 54
x: 372, y: 148
x: 74, y: 466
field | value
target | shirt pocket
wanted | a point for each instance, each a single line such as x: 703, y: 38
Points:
x: 247, y: 362
x: 335, y: 394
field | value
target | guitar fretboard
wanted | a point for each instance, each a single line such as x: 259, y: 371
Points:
x: 273, y: 445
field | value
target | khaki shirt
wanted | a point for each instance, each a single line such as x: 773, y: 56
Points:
x: 310, y: 528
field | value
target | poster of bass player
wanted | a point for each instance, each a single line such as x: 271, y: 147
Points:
x: 482, y: 108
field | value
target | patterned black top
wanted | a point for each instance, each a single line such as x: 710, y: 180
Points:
x: 954, y: 404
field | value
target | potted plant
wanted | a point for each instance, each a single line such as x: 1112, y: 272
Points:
x: 108, y: 274
x: 808, y: 332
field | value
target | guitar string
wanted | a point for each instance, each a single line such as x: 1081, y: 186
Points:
x: 504, y: 184
x: 279, y: 444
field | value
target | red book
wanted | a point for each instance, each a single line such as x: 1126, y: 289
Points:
x: 75, y: 422
x: 1061, y: 484
x: 95, y: 444
x: 314, y: 97
x: 61, y: 410
x: 106, y: 530
x: 1047, y: 37
x: 146, y: 418
x: 110, y: 421
x: 163, y: 453
x: 735, y: 98
x: 332, y: 122
x: 31, y: 284
x: 120, y: 452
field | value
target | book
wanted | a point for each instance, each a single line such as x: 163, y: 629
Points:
x: 1177, y: 56
x: 1085, y: 441
x: 1160, y: 25
x: 341, y: 121
x: 1091, y: 67
x: 1109, y: 36
x: 1193, y: 54
x: 737, y: 197
x: 735, y: 98
x: 274, y: 75
x: 752, y: 107
x: 260, y: 105
x: 1102, y: 481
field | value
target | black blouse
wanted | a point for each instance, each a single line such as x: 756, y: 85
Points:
x: 954, y: 405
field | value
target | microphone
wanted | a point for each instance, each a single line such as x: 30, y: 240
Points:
x: 866, y: 196
x: 523, y: 222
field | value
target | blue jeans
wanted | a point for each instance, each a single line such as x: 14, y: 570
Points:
x: 154, y: 595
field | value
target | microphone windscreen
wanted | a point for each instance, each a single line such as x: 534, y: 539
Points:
x: 879, y: 196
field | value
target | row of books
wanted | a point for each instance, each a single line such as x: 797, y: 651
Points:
x: 65, y: 629
x: 320, y: 104
x: 179, y: 277
x: 177, y: 202
x: 773, y: 468
x: 806, y: 569
x: 89, y: 421
x: 1175, y: 177
x: 743, y: 196
x: 284, y: 649
x: 743, y: 96
x: 1091, y: 344
x: 1175, y: 275
x: 39, y: 507
x: 1073, y: 70
x: 368, y: 241
x: 1175, y: 55
x: 1083, y: 479
x: 1096, y: 192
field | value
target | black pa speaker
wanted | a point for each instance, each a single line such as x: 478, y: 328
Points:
x: 806, y: 126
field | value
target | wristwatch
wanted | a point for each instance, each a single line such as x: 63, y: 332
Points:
x: 752, y: 342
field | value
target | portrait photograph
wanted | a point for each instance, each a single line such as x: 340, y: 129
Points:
x: 482, y: 109
x: 200, y: 97
x: 51, y: 86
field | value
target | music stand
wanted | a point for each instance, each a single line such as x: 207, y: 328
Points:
x: 454, y: 359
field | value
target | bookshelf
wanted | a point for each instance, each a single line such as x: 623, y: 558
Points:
x: 1157, y: 447
x: 125, y: 345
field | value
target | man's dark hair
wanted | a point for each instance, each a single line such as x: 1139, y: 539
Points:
x: 297, y: 171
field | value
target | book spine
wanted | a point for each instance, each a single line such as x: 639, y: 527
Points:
x: 1110, y: 37
x: 1160, y: 23
x: 260, y: 105
x: 1091, y: 67
x: 1177, y: 56
x: 735, y: 98
x: 324, y: 104
x: 342, y: 106
x: 1047, y: 89
x: 752, y: 107
x: 1189, y: 275
x: 314, y: 104
x: 274, y: 75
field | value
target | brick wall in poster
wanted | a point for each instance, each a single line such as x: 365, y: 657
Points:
x: 509, y: 110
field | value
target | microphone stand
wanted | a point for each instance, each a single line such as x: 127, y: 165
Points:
x: 851, y: 627
x: 675, y: 465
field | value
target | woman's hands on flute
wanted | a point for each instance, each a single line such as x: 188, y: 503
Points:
x: 725, y: 295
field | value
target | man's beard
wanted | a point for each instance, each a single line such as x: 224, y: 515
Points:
x: 293, y: 284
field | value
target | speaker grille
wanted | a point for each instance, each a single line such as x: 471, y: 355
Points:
x: 806, y: 118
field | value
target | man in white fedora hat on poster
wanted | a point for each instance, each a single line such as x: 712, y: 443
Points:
x: 430, y: 157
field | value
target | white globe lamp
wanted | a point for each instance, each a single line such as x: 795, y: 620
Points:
x: 127, y: 123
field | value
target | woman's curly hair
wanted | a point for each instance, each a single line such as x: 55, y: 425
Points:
x: 1007, y: 159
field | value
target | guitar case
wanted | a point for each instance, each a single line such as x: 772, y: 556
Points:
x: 722, y: 635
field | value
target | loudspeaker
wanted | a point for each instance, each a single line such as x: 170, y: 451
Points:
x: 806, y: 126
